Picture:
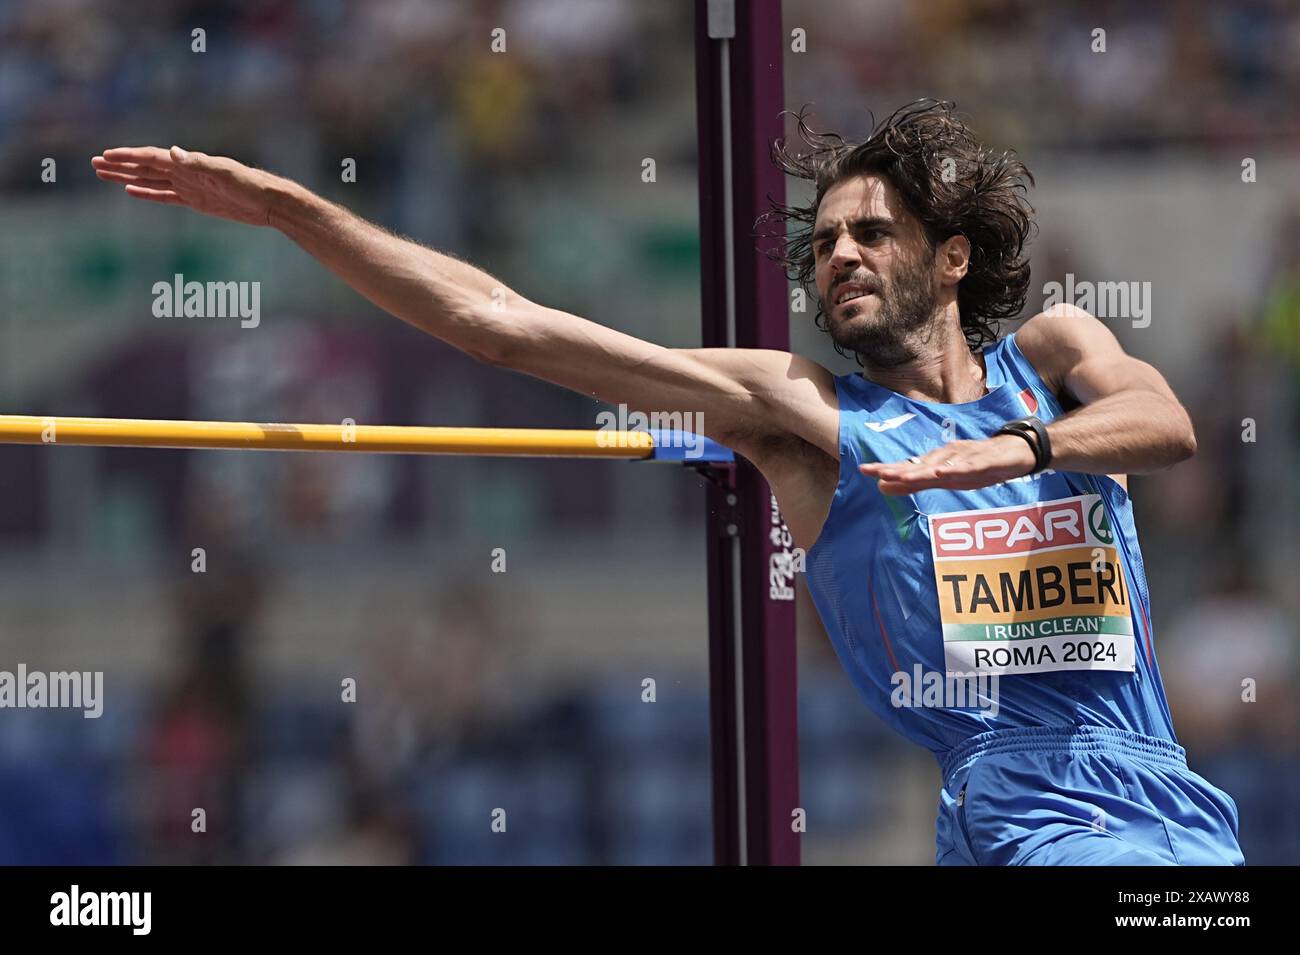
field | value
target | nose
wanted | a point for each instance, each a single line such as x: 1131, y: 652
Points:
x: 845, y: 255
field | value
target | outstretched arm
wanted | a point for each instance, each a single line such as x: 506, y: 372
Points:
x: 738, y: 392
x: 1129, y: 421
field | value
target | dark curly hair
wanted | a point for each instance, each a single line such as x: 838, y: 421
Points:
x: 979, y: 194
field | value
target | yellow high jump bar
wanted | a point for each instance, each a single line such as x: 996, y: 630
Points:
x: 240, y: 435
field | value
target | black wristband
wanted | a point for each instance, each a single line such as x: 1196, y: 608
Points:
x: 1035, y: 432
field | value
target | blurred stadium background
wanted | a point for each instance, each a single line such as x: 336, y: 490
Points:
x: 522, y: 690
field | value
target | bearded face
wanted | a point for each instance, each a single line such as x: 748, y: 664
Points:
x: 889, y: 315
x: 875, y: 272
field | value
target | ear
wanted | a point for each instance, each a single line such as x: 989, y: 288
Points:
x: 952, y: 258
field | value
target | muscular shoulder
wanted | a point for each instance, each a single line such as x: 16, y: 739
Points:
x: 1062, y: 338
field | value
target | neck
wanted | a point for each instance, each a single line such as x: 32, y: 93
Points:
x: 940, y: 368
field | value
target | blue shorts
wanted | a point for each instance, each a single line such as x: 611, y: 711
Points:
x: 1080, y: 795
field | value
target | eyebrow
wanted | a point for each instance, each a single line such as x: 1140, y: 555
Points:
x: 860, y: 224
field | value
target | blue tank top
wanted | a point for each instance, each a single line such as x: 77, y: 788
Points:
x: 960, y: 612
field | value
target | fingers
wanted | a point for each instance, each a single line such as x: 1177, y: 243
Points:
x: 126, y: 172
x: 149, y: 172
x: 132, y: 174
x: 900, y: 472
x: 934, y: 462
x: 133, y: 179
x: 165, y: 196
x: 956, y: 466
x: 152, y: 159
x: 952, y: 477
x: 99, y: 162
x: 151, y: 156
x: 952, y: 482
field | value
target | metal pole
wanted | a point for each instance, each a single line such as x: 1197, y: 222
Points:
x: 753, y: 710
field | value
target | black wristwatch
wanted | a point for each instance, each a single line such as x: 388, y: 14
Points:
x: 1035, y: 432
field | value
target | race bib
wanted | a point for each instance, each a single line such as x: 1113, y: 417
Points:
x: 1032, y: 588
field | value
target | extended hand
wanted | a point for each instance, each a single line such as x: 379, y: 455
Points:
x: 212, y: 185
x: 957, y: 465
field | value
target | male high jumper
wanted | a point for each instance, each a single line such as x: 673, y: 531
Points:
x: 962, y: 501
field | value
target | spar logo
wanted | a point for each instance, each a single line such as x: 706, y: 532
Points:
x: 1016, y: 530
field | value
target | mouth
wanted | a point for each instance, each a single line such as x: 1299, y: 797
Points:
x: 850, y: 292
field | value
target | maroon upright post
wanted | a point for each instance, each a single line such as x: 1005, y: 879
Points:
x: 752, y: 683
